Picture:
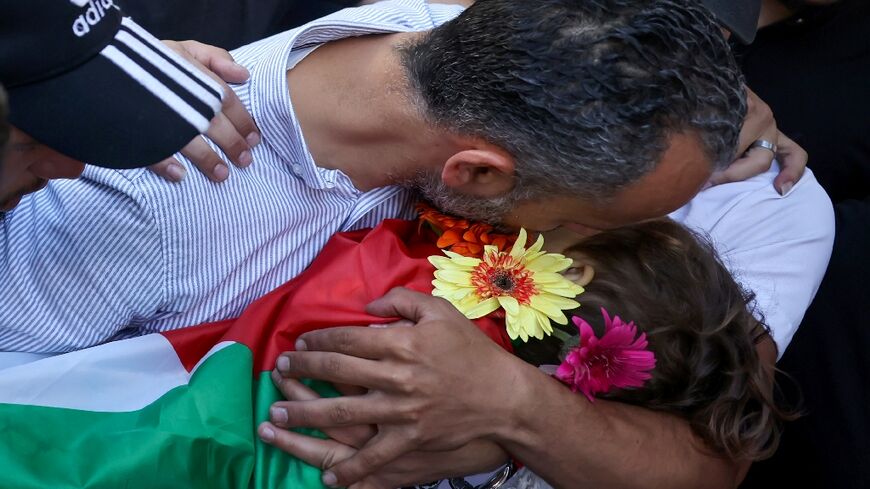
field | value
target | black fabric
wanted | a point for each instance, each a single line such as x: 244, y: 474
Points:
x: 227, y: 23
x: 96, y: 116
x: 43, y: 38
x: 739, y: 16
x: 814, y: 71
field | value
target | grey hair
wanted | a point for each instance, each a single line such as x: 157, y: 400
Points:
x: 584, y: 94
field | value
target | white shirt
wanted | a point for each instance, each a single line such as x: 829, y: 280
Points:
x: 119, y: 253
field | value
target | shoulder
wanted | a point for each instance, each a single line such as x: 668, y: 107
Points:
x: 777, y: 247
x: 752, y: 211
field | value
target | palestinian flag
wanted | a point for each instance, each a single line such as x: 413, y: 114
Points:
x: 180, y: 409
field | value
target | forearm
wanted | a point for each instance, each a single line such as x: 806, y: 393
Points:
x: 573, y: 443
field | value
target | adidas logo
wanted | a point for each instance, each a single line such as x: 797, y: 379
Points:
x: 93, y: 15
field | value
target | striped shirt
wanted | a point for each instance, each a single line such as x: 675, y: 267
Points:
x: 123, y: 253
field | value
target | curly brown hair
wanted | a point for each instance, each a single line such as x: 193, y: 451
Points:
x: 700, y: 324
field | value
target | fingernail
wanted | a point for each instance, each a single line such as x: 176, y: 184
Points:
x: 278, y: 415
x: 267, y: 434
x: 329, y: 479
x: 253, y: 139
x: 283, y: 364
x: 786, y: 187
x: 245, y: 158
x: 242, y: 67
x: 300, y: 345
x: 176, y: 172
x: 221, y: 172
x: 276, y: 377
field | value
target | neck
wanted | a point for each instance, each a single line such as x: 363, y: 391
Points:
x: 772, y: 11
x: 353, y: 102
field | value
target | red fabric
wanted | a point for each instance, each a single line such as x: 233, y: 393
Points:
x: 353, y: 269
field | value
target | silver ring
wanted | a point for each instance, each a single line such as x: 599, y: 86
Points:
x: 763, y: 143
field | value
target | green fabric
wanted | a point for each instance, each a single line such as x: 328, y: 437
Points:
x: 201, y: 435
x: 274, y: 468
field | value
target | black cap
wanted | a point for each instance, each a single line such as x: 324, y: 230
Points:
x: 738, y: 16
x: 97, y: 87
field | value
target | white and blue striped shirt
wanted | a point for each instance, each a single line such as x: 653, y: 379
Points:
x: 121, y: 253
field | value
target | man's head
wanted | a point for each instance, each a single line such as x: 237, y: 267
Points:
x: 571, y: 107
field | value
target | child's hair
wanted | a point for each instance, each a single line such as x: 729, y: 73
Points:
x: 699, y: 324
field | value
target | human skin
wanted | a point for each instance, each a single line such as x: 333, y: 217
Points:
x: 27, y: 165
x: 442, y: 408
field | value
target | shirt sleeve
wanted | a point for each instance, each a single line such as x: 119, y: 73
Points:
x: 79, y: 261
x: 777, y: 247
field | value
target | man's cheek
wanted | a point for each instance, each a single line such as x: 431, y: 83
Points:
x: 49, y: 164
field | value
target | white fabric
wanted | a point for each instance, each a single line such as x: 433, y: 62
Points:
x: 776, y: 246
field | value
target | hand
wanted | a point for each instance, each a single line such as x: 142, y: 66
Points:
x: 760, y: 124
x: 436, y: 386
x: 413, y: 468
x: 233, y: 129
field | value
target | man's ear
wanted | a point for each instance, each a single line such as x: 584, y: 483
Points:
x: 484, y: 171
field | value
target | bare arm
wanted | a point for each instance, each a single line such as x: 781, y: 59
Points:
x: 442, y: 384
x: 575, y: 444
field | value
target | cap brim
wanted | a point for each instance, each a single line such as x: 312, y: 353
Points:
x: 132, y: 105
x: 738, y: 16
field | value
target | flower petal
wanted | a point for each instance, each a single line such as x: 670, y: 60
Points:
x: 510, y: 305
x: 458, y: 277
x: 461, y: 260
x: 549, y: 262
x: 481, y: 309
x: 519, y: 247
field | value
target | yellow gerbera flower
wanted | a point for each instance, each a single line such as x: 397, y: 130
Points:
x: 525, y: 282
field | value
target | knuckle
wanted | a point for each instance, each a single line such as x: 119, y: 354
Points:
x: 340, y: 414
x: 330, y: 458
x: 343, y: 341
x: 332, y: 365
x: 237, y: 146
x: 298, y: 416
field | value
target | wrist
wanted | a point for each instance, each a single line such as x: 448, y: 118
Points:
x: 521, y: 408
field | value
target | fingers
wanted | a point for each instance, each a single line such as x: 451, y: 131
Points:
x: 336, y: 367
x: 405, y: 303
x: 792, y: 163
x: 758, y: 122
x: 240, y: 119
x: 170, y: 169
x: 368, y: 343
x: 226, y: 135
x: 381, y: 450
x: 217, y: 60
x: 293, y: 390
x: 334, y: 412
x: 313, y: 451
x: 756, y: 162
x: 206, y: 160
x: 233, y: 130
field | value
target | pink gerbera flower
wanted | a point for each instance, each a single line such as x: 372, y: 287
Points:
x: 616, y: 360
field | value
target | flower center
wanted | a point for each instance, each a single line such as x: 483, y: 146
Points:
x: 499, y: 275
x: 600, y: 365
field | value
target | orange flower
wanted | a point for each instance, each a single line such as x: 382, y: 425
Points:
x: 461, y: 236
